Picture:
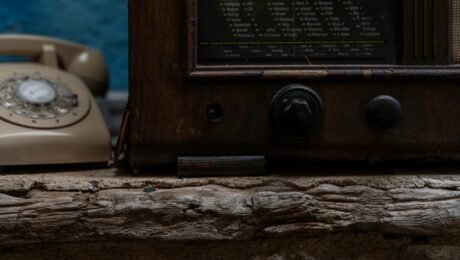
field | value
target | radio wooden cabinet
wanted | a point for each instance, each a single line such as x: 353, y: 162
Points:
x: 294, y: 81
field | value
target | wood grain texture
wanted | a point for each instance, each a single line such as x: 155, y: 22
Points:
x: 106, y: 206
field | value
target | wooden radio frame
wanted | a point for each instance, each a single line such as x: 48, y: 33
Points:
x: 170, y: 97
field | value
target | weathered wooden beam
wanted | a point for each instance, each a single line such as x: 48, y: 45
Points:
x: 108, y: 205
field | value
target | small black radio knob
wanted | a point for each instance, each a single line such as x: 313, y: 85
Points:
x: 383, y: 112
x: 297, y: 111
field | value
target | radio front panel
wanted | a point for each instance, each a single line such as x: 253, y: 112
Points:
x: 304, y: 80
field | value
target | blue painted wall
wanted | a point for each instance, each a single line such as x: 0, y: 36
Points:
x: 102, y: 24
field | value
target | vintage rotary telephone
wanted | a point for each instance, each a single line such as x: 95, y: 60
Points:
x: 47, y: 112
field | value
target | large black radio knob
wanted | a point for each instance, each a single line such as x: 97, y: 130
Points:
x: 297, y: 111
x: 383, y: 112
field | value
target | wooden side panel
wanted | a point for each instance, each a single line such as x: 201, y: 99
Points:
x: 426, y: 31
x: 408, y: 31
x: 155, y: 78
x: 455, y: 38
x: 442, y: 31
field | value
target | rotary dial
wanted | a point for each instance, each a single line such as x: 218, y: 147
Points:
x: 37, y: 97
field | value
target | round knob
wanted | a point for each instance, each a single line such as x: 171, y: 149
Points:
x: 383, y: 112
x: 297, y: 111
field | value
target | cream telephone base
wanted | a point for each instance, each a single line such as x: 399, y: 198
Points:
x: 47, y: 112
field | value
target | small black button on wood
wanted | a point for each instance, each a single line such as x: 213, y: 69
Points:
x: 297, y: 111
x: 383, y: 112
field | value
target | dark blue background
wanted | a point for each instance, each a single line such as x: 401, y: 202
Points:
x: 102, y: 24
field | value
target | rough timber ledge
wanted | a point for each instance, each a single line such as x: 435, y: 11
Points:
x: 106, y: 205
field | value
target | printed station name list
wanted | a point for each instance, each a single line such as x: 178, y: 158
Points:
x: 285, y: 28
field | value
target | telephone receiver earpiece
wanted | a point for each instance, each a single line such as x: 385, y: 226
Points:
x: 86, y: 63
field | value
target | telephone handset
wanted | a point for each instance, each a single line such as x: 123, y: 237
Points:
x: 47, y: 112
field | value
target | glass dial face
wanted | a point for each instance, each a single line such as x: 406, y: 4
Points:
x: 37, y: 97
x: 36, y: 92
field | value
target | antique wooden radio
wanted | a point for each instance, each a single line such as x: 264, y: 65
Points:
x: 294, y: 80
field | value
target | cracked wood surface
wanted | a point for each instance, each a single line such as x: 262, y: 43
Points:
x: 107, y: 205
